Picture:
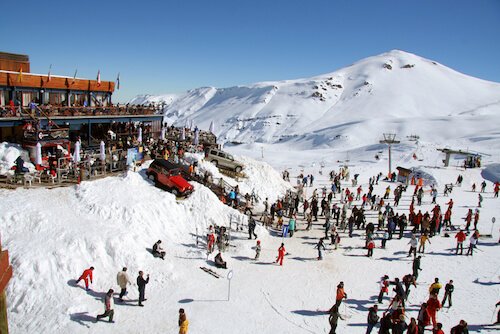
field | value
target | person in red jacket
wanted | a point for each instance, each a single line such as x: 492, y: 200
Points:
x: 468, y: 220
x: 433, y: 305
x: 86, y: 275
x: 460, y: 241
x: 281, y: 254
x: 438, y: 329
x: 424, y: 318
x: 340, y: 294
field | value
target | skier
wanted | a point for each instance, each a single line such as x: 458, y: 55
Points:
x: 480, y: 200
x: 122, y: 280
x: 384, y: 288
x: 372, y: 318
x: 413, y: 246
x: 319, y: 246
x: 433, y: 306
x: 448, y: 290
x: 370, y: 247
x: 141, y: 285
x: 412, y: 327
x: 158, y: 250
x: 468, y: 219
x: 408, y: 280
x: 86, y: 276
x: 291, y: 226
x: 334, y: 318
x: 460, y: 236
x: 435, y: 287
x: 476, y: 218
x: 483, y: 186
x: 257, y: 250
x: 496, y: 188
x: 183, y: 322
x: 108, y: 306
x: 211, y: 243
x: 416, y: 266
x: 472, y: 243
x: 340, y: 294
x: 251, y: 228
x: 281, y: 254
x: 424, y: 238
x: 424, y: 318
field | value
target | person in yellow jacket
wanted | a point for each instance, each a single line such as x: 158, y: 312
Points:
x: 435, y: 287
x: 183, y: 322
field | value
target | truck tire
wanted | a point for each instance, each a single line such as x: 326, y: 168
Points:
x: 174, y: 192
x: 215, y: 162
x: 238, y: 169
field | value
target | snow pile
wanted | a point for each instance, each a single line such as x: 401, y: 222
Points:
x: 491, y: 172
x: 8, y: 155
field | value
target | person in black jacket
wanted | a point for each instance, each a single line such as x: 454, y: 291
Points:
x: 416, y: 266
x: 399, y: 290
x: 372, y: 318
x: 448, y: 290
x: 385, y: 324
x: 334, y: 318
x: 141, y: 285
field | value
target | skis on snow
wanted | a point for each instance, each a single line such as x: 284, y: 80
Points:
x: 211, y: 272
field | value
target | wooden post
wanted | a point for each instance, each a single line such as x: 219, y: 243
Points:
x: 5, y: 275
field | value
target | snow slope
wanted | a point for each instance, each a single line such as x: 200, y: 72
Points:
x: 395, y: 91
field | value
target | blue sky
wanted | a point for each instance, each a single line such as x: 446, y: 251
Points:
x: 172, y: 46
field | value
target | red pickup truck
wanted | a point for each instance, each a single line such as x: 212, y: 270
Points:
x: 163, y: 175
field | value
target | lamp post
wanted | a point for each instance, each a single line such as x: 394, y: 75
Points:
x: 229, y: 277
x: 389, y: 139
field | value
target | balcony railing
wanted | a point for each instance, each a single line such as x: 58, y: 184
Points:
x: 64, y: 111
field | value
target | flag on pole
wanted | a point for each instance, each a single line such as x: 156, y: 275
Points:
x: 118, y: 81
x: 20, y: 77
x: 74, y: 76
x: 49, y: 75
x: 98, y: 77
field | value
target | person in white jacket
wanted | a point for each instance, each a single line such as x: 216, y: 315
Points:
x: 108, y: 306
x: 122, y: 280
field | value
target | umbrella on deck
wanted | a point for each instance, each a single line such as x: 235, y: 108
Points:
x: 212, y: 127
x: 76, y: 154
x: 196, y: 140
x: 183, y: 134
x: 102, y: 151
x: 139, y: 136
x: 38, y: 154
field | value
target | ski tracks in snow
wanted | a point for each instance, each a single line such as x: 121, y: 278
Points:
x: 281, y: 314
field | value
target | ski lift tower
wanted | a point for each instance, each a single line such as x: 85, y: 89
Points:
x: 389, y: 139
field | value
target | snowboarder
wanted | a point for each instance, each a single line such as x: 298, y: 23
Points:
x: 281, y: 254
x: 448, y: 291
x: 319, y: 246
x: 257, y: 250
x: 158, y: 250
x: 108, y: 306
x: 122, y: 280
x: 183, y: 322
x: 141, y: 286
x: 86, y: 276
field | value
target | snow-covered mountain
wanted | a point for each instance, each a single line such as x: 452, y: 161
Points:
x: 395, y: 91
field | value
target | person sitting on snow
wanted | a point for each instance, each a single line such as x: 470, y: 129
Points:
x: 158, y: 251
x: 219, y: 262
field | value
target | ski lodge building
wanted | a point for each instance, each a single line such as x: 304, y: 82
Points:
x: 83, y: 106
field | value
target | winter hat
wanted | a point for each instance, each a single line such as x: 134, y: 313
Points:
x: 258, y: 242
